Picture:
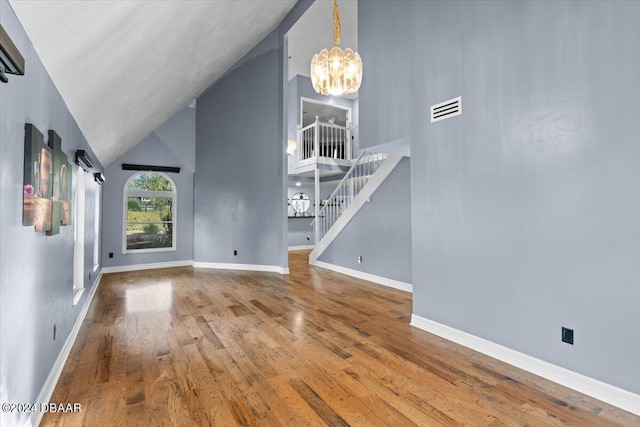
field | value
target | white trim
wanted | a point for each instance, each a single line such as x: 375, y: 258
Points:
x: 322, y: 160
x: 172, y: 194
x: 583, y: 384
x: 396, y: 284
x: 78, y: 237
x: 77, y: 293
x: 149, y: 266
x: 190, y: 263
x: 97, y: 198
x: 247, y: 267
x: 54, y: 375
x: 300, y: 248
x: 148, y: 250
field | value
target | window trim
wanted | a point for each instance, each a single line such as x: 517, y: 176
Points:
x: 79, y: 236
x: 96, y: 227
x: 173, y: 195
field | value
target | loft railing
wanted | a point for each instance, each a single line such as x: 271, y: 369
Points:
x: 347, y: 190
x: 324, y: 140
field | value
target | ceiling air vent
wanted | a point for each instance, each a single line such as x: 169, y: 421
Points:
x: 446, y: 109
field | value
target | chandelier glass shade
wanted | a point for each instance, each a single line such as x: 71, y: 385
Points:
x: 336, y: 72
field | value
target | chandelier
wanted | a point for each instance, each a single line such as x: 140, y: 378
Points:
x: 338, y: 71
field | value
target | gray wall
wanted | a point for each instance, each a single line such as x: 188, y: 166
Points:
x: 355, y: 133
x: 36, y: 271
x: 154, y: 150
x: 299, y: 229
x: 525, y: 209
x: 241, y: 128
x: 380, y: 232
x: 239, y: 179
x: 179, y: 133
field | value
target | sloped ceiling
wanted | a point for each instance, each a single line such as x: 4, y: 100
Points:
x: 125, y: 66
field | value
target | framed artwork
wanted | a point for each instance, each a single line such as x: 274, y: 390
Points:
x: 47, y: 182
x: 33, y: 146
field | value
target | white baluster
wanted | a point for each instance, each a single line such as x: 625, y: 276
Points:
x: 316, y: 143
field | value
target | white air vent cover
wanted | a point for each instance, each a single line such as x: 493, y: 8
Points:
x: 446, y: 109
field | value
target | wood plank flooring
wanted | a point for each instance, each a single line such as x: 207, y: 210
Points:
x: 194, y: 347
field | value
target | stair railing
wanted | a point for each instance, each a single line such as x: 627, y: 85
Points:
x: 347, y: 190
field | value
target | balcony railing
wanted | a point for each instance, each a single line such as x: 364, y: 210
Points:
x: 319, y: 142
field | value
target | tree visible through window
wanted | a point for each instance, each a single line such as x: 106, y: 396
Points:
x: 149, y: 213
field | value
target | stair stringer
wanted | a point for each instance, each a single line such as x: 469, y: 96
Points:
x: 359, y: 201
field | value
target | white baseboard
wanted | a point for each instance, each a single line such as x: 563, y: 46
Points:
x: 190, y: 263
x: 150, y: 266
x: 396, y: 284
x: 300, y: 248
x: 246, y: 267
x: 54, y: 375
x: 605, y: 392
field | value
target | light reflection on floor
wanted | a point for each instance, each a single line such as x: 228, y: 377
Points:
x: 316, y: 280
x: 152, y: 297
x: 298, y: 322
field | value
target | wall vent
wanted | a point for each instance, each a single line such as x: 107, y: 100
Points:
x: 446, y: 109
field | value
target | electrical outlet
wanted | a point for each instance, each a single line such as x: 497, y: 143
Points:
x: 567, y: 335
x: 235, y: 252
x: 110, y: 254
x: 359, y: 259
x: 54, y: 331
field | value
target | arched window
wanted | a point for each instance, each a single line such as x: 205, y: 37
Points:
x: 149, y: 213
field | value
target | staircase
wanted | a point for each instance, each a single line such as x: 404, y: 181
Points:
x: 360, y: 182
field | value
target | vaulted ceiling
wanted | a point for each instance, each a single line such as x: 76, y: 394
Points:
x: 125, y: 66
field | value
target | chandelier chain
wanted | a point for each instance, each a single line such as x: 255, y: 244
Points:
x: 336, y: 72
x: 336, y: 23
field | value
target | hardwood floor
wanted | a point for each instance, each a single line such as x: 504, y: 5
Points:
x: 184, y: 346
